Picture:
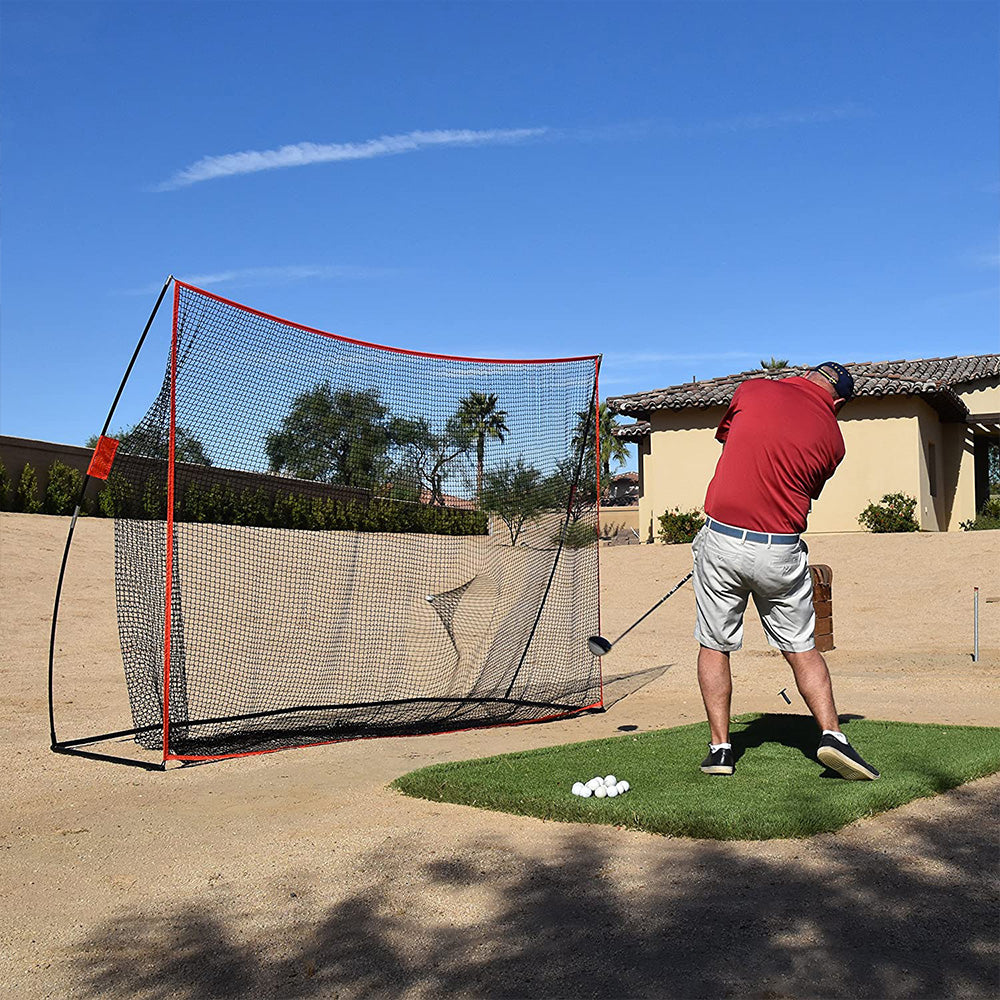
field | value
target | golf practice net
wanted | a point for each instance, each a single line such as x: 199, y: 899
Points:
x: 320, y: 539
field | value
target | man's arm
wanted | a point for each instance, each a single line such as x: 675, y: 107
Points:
x: 722, y: 432
x: 827, y: 476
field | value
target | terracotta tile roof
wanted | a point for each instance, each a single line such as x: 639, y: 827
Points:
x: 934, y: 379
x: 632, y: 432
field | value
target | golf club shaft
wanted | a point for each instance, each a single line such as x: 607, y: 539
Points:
x: 672, y: 591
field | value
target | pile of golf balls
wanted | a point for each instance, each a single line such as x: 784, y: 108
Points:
x: 601, y: 788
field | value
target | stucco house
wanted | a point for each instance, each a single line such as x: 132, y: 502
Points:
x: 924, y: 427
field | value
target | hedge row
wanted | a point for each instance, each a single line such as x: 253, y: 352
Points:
x: 26, y: 496
x: 220, y: 504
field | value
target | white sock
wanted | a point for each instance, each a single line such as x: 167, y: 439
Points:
x: 837, y: 733
x: 720, y: 746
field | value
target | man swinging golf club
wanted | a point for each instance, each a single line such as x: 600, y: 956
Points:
x: 780, y: 444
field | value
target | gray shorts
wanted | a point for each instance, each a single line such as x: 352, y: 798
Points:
x: 728, y: 570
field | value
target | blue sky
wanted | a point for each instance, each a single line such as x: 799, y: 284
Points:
x: 684, y: 187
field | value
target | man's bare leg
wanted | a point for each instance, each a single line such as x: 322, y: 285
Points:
x: 813, y: 681
x: 716, y: 682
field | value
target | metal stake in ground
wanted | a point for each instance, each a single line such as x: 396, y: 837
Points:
x: 975, y: 625
x: 599, y: 646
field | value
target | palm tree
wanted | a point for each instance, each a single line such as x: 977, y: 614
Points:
x: 613, y: 449
x: 478, y: 415
x: 774, y: 364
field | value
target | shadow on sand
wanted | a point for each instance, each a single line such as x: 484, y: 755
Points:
x: 618, y: 688
x: 845, y: 917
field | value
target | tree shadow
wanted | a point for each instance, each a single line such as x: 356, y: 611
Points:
x: 847, y: 918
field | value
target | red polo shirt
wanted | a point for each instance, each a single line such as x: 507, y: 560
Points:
x: 781, y: 443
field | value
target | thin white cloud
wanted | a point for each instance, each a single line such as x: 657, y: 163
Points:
x: 782, y: 119
x: 304, y: 153
x: 248, y: 277
x: 284, y: 275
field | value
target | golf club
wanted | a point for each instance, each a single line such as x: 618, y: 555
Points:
x: 599, y: 646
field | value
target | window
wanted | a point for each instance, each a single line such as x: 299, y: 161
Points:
x: 932, y: 467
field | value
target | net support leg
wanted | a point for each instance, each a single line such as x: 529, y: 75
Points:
x: 79, y: 504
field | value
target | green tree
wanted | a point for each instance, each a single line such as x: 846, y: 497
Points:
x: 335, y: 436
x: 560, y: 484
x: 426, y: 456
x: 28, y: 499
x: 63, y: 488
x: 5, y: 496
x: 775, y: 364
x: 515, y: 492
x: 479, y: 415
x: 613, y: 449
x: 155, y: 442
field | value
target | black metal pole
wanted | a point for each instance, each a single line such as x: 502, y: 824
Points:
x: 79, y: 504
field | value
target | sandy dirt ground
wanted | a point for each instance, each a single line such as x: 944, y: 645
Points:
x: 300, y: 874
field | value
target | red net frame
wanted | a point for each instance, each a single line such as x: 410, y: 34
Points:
x: 556, y: 570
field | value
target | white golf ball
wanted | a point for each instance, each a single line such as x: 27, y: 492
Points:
x: 577, y: 787
x: 610, y: 780
x: 621, y: 787
x: 612, y: 791
x: 600, y: 791
x: 594, y: 782
x: 586, y: 793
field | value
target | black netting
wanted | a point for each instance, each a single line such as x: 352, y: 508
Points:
x: 365, y: 541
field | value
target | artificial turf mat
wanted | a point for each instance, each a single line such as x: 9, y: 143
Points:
x: 779, y: 789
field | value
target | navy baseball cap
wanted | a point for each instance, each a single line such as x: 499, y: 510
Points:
x: 843, y: 383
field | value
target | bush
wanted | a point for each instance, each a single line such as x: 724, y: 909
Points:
x: 63, y: 488
x: 221, y: 504
x: 28, y: 498
x: 894, y: 512
x: 115, y: 500
x: 5, y: 494
x: 987, y: 519
x: 677, y: 526
x: 576, y: 535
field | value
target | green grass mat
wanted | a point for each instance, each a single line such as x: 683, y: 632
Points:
x: 778, y: 790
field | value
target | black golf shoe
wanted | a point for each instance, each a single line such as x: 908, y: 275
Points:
x: 718, y: 761
x: 844, y: 759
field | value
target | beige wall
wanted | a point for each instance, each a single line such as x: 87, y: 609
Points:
x: 887, y: 452
x: 882, y: 438
x: 983, y: 398
x: 959, y: 450
x: 936, y: 486
x: 615, y: 519
x: 677, y: 467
